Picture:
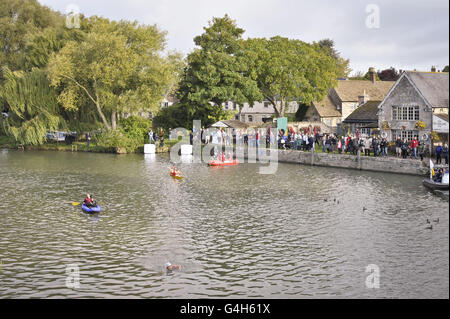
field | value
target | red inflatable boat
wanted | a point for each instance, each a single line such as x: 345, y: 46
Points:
x: 225, y: 163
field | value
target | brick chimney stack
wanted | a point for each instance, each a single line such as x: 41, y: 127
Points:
x: 433, y: 69
x: 372, y: 75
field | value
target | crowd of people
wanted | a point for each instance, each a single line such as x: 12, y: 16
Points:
x: 308, y: 138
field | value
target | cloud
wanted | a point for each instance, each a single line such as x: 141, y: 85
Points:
x: 412, y: 34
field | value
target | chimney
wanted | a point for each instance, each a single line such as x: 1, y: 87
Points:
x: 362, y: 99
x: 433, y: 69
x: 372, y: 75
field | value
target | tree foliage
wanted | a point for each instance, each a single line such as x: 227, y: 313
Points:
x: 18, y: 20
x: 117, y: 67
x: 342, y: 65
x: 216, y: 72
x: 33, y: 107
x: 290, y: 70
x: 390, y: 74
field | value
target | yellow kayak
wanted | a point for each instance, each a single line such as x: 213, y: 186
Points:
x: 176, y: 176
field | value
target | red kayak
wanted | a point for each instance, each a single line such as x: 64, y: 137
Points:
x: 226, y: 163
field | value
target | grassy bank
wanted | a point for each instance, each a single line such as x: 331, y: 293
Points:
x: 83, y: 147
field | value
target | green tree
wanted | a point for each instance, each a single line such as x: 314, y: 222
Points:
x: 117, y: 67
x: 342, y: 65
x: 18, y: 20
x: 216, y: 72
x: 33, y: 106
x: 290, y: 70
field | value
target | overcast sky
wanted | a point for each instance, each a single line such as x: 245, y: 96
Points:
x: 412, y: 34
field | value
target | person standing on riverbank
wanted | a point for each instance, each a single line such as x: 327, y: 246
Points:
x: 88, y: 139
x: 413, y: 145
x: 150, y: 137
x: 445, y: 153
x: 398, y: 146
x: 421, y: 149
x: 384, y: 148
x: 439, y: 154
x: 404, y: 148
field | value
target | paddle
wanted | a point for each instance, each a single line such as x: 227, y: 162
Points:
x: 77, y: 204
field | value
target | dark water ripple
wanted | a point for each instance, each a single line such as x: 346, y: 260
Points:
x: 300, y: 233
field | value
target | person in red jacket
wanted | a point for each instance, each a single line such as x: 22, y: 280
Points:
x: 88, y: 200
x: 414, y: 144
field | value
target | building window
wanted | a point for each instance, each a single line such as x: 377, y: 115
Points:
x: 364, y: 131
x: 408, y: 135
x: 405, y: 113
x: 250, y: 118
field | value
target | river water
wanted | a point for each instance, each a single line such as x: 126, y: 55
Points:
x: 237, y: 234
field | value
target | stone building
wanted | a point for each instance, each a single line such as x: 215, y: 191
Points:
x: 416, y: 96
x: 345, y: 98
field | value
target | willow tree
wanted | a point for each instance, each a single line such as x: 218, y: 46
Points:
x: 33, y: 106
x: 290, y: 70
x: 118, y: 66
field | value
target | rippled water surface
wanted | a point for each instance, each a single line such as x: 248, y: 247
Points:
x: 236, y: 233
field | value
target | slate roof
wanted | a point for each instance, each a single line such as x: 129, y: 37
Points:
x: 366, y: 113
x: 434, y: 86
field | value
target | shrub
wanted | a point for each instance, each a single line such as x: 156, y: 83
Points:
x: 136, y: 128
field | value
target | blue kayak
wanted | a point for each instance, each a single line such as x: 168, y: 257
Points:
x: 90, y: 210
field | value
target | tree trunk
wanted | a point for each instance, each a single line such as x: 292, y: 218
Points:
x: 99, y: 109
x: 113, y: 120
x: 102, y: 116
x: 282, y: 107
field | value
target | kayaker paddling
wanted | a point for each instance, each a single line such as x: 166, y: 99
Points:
x: 88, y: 201
x: 175, y: 173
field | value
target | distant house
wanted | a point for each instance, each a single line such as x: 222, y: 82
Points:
x: 325, y: 112
x: 364, y: 118
x: 169, y: 101
x: 262, y: 112
x: 259, y: 113
x: 346, y: 97
x: 416, y: 96
x: 165, y: 102
x: 233, y: 124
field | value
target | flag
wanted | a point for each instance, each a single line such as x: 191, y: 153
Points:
x: 431, y: 169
